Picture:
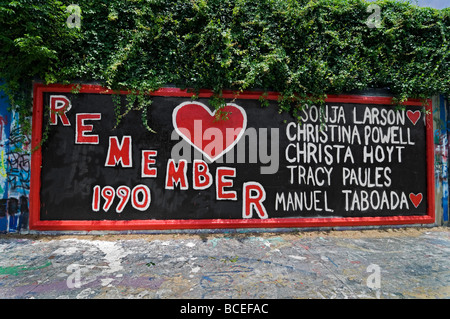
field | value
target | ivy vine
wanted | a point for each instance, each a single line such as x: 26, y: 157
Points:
x: 303, y: 49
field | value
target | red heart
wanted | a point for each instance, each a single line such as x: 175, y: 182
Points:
x: 416, y: 199
x: 197, y: 125
x: 413, y: 116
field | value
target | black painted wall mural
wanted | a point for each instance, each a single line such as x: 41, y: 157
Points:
x: 357, y: 160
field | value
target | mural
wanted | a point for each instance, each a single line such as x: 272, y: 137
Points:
x: 15, y: 155
x: 367, y: 165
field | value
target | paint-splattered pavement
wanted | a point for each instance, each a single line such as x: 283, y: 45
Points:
x: 386, y: 264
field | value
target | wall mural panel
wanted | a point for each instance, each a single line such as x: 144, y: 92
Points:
x: 357, y: 161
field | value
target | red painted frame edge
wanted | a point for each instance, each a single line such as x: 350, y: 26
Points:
x: 87, y: 225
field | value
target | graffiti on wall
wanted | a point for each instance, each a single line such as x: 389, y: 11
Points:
x: 15, y: 158
x: 441, y: 156
x: 441, y: 151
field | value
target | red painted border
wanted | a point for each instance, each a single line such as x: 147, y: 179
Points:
x: 87, y: 225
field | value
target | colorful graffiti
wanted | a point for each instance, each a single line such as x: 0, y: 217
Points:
x: 15, y: 158
x: 441, y: 156
x: 441, y: 151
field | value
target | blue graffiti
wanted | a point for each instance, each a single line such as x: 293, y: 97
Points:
x: 15, y: 171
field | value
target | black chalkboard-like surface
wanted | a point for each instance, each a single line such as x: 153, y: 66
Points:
x: 347, y: 160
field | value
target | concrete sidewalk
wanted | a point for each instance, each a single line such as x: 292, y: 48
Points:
x: 387, y: 264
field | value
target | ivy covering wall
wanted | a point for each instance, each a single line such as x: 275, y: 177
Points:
x: 300, y: 48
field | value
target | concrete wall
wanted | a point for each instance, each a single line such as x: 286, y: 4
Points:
x: 14, y: 171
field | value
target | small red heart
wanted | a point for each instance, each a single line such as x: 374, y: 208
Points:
x: 198, y: 126
x: 413, y: 116
x: 416, y: 199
